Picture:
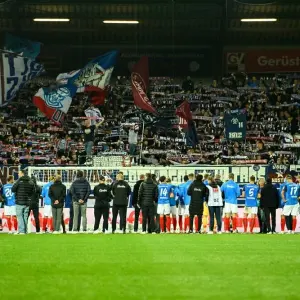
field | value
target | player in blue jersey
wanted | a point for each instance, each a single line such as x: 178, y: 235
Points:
x: 163, y: 204
x: 187, y: 201
x: 231, y: 192
x: 47, y: 221
x: 180, y: 199
x: 173, y: 209
x: 10, y: 205
x: 250, y: 193
x: 291, y: 196
x: 281, y: 205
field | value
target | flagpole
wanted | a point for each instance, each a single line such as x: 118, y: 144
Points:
x: 142, y: 141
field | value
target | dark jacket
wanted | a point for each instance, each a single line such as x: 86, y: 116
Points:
x: 198, y: 192
x: 102, y: 193
x: 148, y: 193
x: 36, y: 196
x: 269, y: 196
x: 80, y: 190
x: 57, y: 191
x: 135, y: 194
x: 121, y: 191
x: 24, y: 190
x: 219, y: 182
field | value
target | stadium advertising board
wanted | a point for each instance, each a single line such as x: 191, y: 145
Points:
x: 263, y: 61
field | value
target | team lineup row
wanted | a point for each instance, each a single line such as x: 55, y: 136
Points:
x: 161, y: 203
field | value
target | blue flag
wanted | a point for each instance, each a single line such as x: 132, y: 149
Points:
x: 22, y: 46
x: 96, y: 73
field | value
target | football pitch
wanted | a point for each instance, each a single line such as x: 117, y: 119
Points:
x: 150, y: 267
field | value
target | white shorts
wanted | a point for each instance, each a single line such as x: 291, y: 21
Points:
x: 187, y: 210
x: 48, y: 211
x: 173, y: 210
x: 163, y: 209
x: 251, y: 210
x: 10, y: 210
x: 230, y: 208
x: 181, y: 209
x: 291, y: 210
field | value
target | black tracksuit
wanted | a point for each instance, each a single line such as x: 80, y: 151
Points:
x: 269, y: 202
x: 120, y: 191
x: 137, y: 209
x: 198, y: 192
x: 148, y: 194
x: 34, y: 206
x: 102, y: 193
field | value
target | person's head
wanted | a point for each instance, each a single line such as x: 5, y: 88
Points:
x: 185, y: 178
x: 289, y: 178
x: 191, y: 176
x: 57, y: 178
x: 21, y: 173
x: 252, y: 179
x: 231, y: 176
x: 10, y: 179
x: 153, y: 177
x: 210, y: 179
x: 52, y: 178
x: 120, y: 176
x: 206, y: 176
x: 269, y: 181
x: 148, y: 176
x: 162, y: 178
x: 142, y: 176
x: 261, y: 182
x: 168, y: 180
x: 101, y: 179
x: 218, y: 177
x: 199, y: 177
x: 79, y: 174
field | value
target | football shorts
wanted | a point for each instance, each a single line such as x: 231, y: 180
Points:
x: 251, y: 210
x: 163, y: 209
x: 291, y: 210
x: 10, y: 210
x: 181, y: 209
x: 173, y: 210
x: 48, y: 211
x: 187, y: 210
x: 230, y: 208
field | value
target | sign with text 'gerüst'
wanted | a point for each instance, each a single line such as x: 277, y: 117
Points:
x: 235, y: 125
x: 15, y: 71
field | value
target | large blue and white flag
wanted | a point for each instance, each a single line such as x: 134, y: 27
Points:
x: 15, y: 71
x: 63, y: 78
x: 96, y: 73
x: 55, y: 102
x: 24, y: 47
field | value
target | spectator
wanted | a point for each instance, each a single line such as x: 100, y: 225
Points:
x: 137, y: 209
x: 198, y: 192
x: 102, y: 193
x: 24, y: 191
x: 120, y: 191
x: 57, y: 194
x: 269, y: 202
x: 132, y: 140
x: 188, y: 85
x: 35, y: 204
x: 147, y: 197
x: 80, y: 191
x: 260, y: 214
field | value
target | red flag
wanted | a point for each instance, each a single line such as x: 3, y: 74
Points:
x: 140, y: 84
x: 96, y: 94
x: 183, y: 111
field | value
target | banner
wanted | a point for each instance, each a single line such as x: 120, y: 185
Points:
x: 15, y: 71
x: 264, y: 61
x: 93, y: 112
x: 22, y: 46
x: 235, y: 125
x: 140, y: 84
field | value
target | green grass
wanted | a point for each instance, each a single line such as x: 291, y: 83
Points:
x: 150, y: 267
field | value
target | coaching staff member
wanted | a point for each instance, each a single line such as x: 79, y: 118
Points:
x: 198, y: 192
x: 80, y: 191
x: 34, y: 204
x: 148, y: 194
x: 102, y: 193
x: 57, y: 194
x: 120, y: 191
x: 137, y: 208
x: 24, y: 192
